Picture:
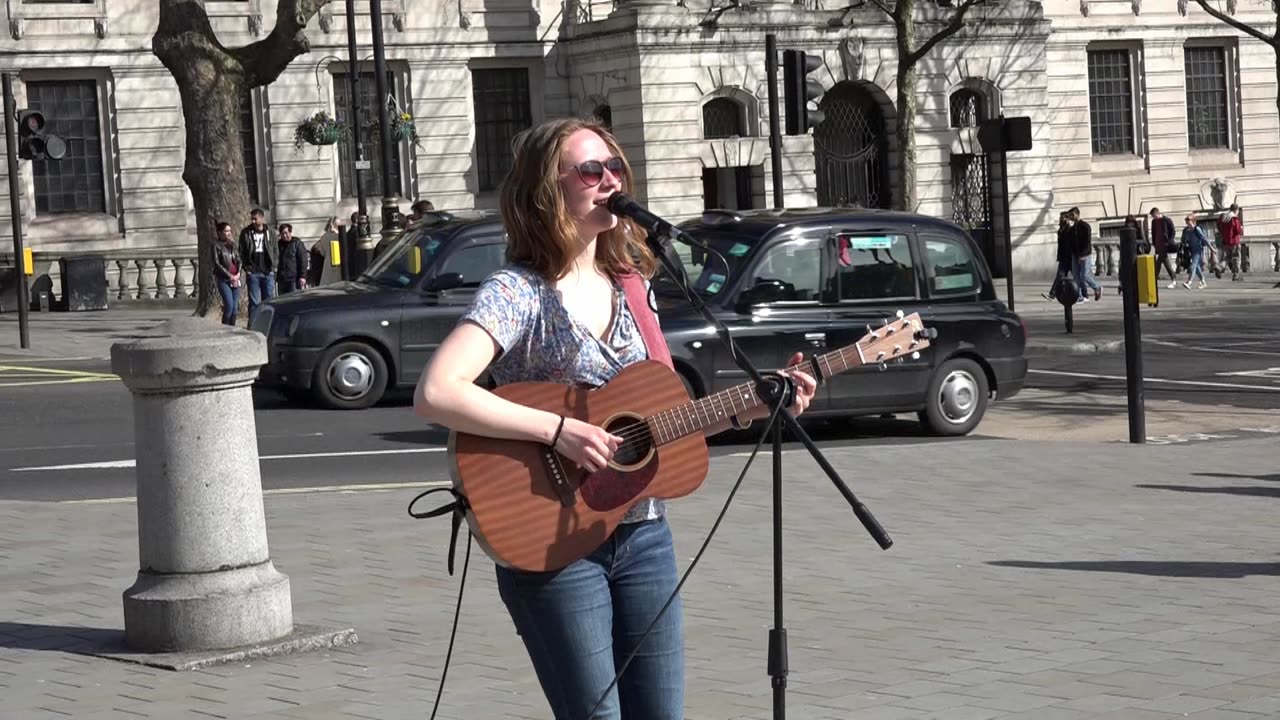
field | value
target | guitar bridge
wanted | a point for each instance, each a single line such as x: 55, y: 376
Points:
x: 559, y: 478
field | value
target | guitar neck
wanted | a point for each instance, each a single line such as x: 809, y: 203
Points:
x: 697, y: 416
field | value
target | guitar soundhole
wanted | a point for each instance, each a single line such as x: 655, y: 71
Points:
x: 636, y: 442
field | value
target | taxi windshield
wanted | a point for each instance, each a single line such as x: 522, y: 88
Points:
x: 708, y: 273
x: 403, y: 264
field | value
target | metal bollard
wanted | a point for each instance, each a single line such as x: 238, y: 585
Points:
x: 1068, y: 293
x: 206, y: 580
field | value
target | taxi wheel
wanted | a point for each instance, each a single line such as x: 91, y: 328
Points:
x: 957, y: 398
x: 350, y: 376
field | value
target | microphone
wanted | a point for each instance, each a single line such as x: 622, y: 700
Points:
x: 622, y: 205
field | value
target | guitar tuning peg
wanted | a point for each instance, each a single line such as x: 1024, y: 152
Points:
x: 883, y: 367
x: 915, y: 356
x: 901, y: 314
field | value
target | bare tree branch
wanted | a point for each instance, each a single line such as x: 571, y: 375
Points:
x: 883, y: 8
x: 953, y: 27
x: 1237, y: 24
x: 265, y: 59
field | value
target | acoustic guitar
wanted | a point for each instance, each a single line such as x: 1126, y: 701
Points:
x: 532, y: 509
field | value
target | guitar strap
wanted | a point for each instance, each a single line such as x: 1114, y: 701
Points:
x: 646, y: 318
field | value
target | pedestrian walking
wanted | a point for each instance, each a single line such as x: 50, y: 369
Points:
x: 1231, y: 230
x: 261, y: 257
x: 1064, y: 256
x: 226, y: 272
x: 1193, y: 238
x: 1164, y: 242
x: 1142, y: 247
x: 1082, y: 248
x: 558, y: 313
x: 292, y: 274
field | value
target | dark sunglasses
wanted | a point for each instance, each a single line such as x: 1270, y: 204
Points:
x: 591, y: 172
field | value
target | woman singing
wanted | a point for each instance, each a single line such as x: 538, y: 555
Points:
x: 556, y: 313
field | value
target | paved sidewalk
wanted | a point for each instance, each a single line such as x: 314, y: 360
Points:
x: 1256, y: 288
x: 89, y: 335
x: 1028, y: 580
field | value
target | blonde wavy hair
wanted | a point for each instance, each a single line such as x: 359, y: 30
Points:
x: 541, y: 235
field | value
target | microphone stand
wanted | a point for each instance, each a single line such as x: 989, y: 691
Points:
x: 778, y: 392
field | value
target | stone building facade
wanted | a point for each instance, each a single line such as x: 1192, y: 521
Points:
x: 1130, y: 107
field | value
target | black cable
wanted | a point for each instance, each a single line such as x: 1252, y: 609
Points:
x: 453, y: 634
x: 773, y: 417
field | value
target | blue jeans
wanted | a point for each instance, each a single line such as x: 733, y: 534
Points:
x: 1084, y: 276
x: 580, y: 623
x: 230, y: 301
x: 261, y: 287
x: 1197, y: 267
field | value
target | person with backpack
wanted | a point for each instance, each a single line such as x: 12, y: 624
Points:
x: 1193, y: 238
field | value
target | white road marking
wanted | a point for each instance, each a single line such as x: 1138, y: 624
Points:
x: 130, y: 443
x: 111, y: 464
x: 379, y: 487
x: 1229, y: 351
x: 1266, y: 373
x: 1194, y: 383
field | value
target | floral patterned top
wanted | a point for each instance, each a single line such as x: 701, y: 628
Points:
x: 542, y: 342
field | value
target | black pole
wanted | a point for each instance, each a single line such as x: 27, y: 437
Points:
x: 15, y: 210
x: 1008, y: 230
x: 357, y: 139
x: 778, y: 635
x: 389, y: 207
x: 775, y: 123
x: 1132, y: 335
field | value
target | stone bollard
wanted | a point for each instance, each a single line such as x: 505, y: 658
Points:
x: 205, y: 581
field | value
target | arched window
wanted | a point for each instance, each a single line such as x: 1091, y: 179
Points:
x: 723, y: 117
x: 604, y: 114
x: 968, y: 108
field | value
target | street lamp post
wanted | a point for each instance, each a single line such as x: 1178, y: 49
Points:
x: 359, y: 164
x: 390, y: 208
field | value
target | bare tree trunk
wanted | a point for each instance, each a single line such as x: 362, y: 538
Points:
x: 904, y: 20
x: 905, y: 197
x: 211, y: 79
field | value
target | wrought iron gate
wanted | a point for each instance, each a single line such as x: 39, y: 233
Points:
x: 851, y: 150
x: 971, y: 200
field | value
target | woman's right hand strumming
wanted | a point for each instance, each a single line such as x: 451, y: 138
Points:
x: 589, y: 446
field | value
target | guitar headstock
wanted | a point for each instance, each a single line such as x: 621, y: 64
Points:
x: 905, y: 336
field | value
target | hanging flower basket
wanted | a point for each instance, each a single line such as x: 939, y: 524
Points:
x: 319, y: 129
x: 403, y: 127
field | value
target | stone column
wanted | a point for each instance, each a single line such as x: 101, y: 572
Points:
x: 206, y: 580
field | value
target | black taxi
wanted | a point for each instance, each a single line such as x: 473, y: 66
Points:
x: 810, y: 280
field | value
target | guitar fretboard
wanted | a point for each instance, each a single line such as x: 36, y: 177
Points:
x: 699, y: 415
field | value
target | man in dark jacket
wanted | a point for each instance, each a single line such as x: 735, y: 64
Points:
x: 292, y: 273
x: 1082, y: 248
x: 1164, y: 239
x: 261, y: 257
x: 1065, y: 265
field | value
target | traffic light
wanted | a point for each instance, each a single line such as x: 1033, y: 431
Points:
x: 33, y: 142
x: 799, y: 89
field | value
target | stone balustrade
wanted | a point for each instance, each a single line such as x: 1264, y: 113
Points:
x: 1260, y: 256
x: 145, y: 275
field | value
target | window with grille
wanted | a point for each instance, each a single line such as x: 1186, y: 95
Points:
x: 722, y: 118
x: 502, y: 111
x: 73, y: 184
x: 249, y: 140
x: 967, y: 108
x: 1111, y: 102
x: 370, y: 135
x: 1206, y: 70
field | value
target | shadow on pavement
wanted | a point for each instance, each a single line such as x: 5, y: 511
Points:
x: 1254, y: 491
x: 1274, y: 477
x: 1164, y: 568
x: 61, y: 638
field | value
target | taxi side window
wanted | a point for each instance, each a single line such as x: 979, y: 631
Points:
x: 950, y: 265
x: 475, y: 262
x: 797, y: 264
x: 874, y: 267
